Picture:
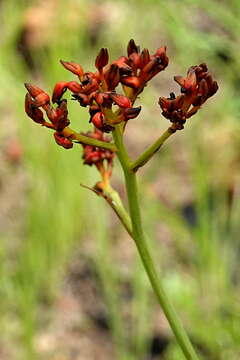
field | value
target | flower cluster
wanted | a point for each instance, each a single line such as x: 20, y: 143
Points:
x: 196, y: 88
x: 93, y: 155
x: 98, y: 92
x: 36, y: 98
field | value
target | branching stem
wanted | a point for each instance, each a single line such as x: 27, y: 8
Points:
x: 148, y: 154
x: 83, y: 139
x: 142, y: 246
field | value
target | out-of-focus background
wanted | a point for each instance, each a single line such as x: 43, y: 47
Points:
x: 72, y: 286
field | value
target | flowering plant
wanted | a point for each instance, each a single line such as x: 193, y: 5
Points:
x: 110, y: 112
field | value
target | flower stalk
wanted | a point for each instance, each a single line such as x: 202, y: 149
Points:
x: 149, y: 153
x: 144, y: 252
x: 97, y: 91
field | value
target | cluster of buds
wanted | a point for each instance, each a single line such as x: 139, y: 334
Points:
x: 101, y: 158
x: 140, y: 67
x: 35, y: 99
x: 196, y: 88
x: 107, y: 108
x: 93, y: 155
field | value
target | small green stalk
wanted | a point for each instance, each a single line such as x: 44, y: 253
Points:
x: 139, y: 238
x: 148, y: 154
x: 115, y: 202
x: 87, y: 140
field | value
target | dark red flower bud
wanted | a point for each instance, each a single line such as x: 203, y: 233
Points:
x: 82, y: 99
x: 93, y: 110
x: 73, y: 67
x: 132, y: 113
x: 101, y: 59
x: 32, y: 111
x: 89, y: 83
x: 213, y: 89
x: 161, y: 51
x: 74, y: 86
x: 145, y: 58
x: 131, y: 81
x: 132, y: 47
x: 189, y: 83
x: 33, y: 90
x: 123, y: 65
x: 121, y: 100
x: 42, y: 99
x: 99, y: 97
x: 135, y: 61
x: 151, y: 66
x: 98, y: 120
x: 112, y: 77
x: 59, y: 90
x: 62, y: 141
x: 62, y: 116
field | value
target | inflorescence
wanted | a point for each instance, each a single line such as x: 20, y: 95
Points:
x: 107, y: 107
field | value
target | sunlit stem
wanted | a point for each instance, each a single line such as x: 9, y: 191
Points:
x: 143, y: 249
x: 83, y: 139
x: 148, y: 154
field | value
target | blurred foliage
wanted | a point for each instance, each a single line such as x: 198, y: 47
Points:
x: 191, y: 186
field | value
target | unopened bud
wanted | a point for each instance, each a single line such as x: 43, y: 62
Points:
x: 98, y: 120
x: 101, y: 59
x: 112, y: 77
x: 131, y: 81
x: 132, y: 113
x: 32, y: 111
x: 73, y: 67
x: 58, y: 91
x: 74, y: 86
x: 121, y: 100
x: 62, y: 141
x: 132, y: 47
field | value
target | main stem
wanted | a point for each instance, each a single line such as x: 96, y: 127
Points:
x: 139, y: 238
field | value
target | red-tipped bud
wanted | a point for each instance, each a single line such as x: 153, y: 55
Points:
x: 132, y: 47
x: 189, y: 83
x: 131, y: 81
x: 73, y: 67
x: 135, y: 61
x: 98, y: 120
x: 123, y: 65
x: 161, y: 51
x: 42, y: 99
x: 74, y: 86
x: 121, y: 100
x: 132, y: 113
x: 145, y: 58
x: 82, y: 99
x: 203, y: 90
x: 213, y: 89
x: 59, y: 90
x: 101, y: 59
x: 62, y: 141
x: 33, y: 90
x: 164, y: 103
x: 32, y: 111
x: 112, y: 77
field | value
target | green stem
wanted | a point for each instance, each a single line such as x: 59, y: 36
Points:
x: 139, y: 238
x: 87, y: 140
x: 115, y: 202
x: 113, y: 199
x: 148, y: 154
